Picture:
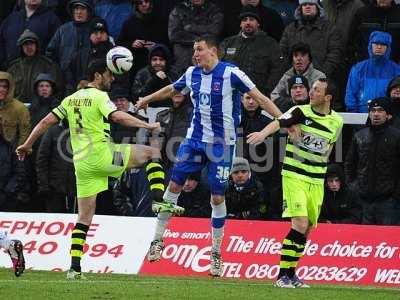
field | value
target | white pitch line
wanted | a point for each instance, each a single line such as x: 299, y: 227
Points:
x: 164, y: 281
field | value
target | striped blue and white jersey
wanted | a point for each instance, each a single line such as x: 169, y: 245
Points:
x: 216, y: 101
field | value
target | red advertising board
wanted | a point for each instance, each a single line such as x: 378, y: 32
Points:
x: 342, y: 254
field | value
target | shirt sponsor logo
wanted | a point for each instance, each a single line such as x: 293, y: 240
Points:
x: 204, y: 99
x: 230, y: 51
x: 314, y: 143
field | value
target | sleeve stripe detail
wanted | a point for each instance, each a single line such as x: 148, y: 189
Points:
x: 62, y: 111
x: 59, y: 119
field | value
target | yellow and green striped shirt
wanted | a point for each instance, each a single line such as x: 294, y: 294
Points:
x: 307, y: 159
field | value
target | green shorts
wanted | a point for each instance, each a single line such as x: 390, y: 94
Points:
x: 302, y: 199
x: 105, y: 160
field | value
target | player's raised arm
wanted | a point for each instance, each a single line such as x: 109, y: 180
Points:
x: 39, y: 129
x: 126, y: 119
x: 291, y: 118
x: 259, y: 136
x: 265, y: 103
x: 164, y: 93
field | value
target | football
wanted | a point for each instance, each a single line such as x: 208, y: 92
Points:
x: 119, y: 60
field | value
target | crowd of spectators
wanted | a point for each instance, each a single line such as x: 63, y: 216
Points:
x: 284, y: 46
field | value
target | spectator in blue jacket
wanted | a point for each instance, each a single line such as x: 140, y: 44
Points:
x: 71, y: 37
x: 33, y: 16
x: 369, y: 78
x: 115, y: 12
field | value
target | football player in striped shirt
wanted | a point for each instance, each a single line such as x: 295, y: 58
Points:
x: 303, y: 171
x: 215, y: 89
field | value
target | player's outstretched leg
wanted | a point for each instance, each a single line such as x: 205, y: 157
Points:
x: 149, y: 157
x: 217, y: 222
x: 15, y: 249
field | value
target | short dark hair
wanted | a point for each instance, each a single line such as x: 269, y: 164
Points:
x: 302, y: 48
x: 96, y: 66
x: 210, y: 40
x: 330, y: 88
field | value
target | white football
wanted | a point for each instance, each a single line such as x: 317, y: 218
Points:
x: 119, y: 60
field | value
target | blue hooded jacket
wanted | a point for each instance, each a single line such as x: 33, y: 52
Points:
x: 115, y: 12
x: 369, y: 79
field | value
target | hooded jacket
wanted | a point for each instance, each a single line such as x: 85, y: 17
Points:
x: 43, y: 21
x: 342, y: 206
x: 147, y: 82
x: 78, y: 67
x: 324, y: 39
x: 115, y: 12
x: 69, y: 38
x: 372, y: 18
x: 25, y: 70
x: 41, y: 106
x: 369, y: 79
x: 14, y: 116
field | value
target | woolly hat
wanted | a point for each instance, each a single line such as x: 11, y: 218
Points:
x: 240, y: 164
x: 98, y: 24
x: 250, y: 11
x: 316, y: 2
x: 298, y: 79
x: 383, y: 102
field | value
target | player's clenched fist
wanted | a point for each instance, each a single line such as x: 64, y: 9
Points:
x: 154, y: 126
x: 22, y: 151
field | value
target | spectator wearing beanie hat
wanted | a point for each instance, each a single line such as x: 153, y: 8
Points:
x: 323, y: 38
x: 301, y: 60
x: 299, y: 88
x: 254, y: 52
x: 244, y: 193
x: 155, y: 75
x: 372, y: 166
x: 100, y: 44
x: 269, y: 19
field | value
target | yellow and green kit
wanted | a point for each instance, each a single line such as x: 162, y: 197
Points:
x: 95, y: 156
x: 306, y: 160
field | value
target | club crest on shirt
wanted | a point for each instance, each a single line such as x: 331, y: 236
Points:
x: 216, y: 86
x: 204, y: 99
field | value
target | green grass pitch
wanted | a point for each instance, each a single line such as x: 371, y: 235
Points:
x: 52, y: 285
